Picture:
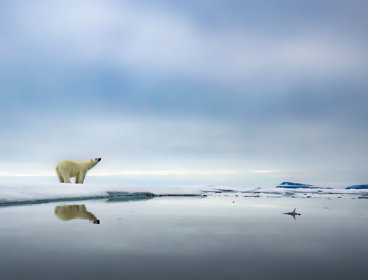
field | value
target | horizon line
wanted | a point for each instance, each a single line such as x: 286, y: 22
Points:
x: 145, y: 172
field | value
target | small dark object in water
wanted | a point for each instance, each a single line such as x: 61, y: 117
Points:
x: 293, y: 213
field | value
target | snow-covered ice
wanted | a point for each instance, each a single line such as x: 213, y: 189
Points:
x: 14, y: 193
x: 38, y: 193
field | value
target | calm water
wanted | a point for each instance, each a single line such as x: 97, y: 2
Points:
x: 186, y: 238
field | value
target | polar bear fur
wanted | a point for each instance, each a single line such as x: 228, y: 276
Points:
x: 71, y: 212
x: 67, y: 169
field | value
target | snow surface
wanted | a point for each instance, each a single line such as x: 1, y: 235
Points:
x: 13, y: 194
x: 27, y: 193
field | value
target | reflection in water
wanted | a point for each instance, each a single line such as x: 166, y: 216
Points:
x: 293, y: 213
x: 188, y: 238
x: 70, y: 212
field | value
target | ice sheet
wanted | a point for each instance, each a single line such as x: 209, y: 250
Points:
x: 26, y: 193
x: 14, y: 193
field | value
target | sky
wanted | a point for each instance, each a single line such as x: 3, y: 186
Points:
x: 261, y: 91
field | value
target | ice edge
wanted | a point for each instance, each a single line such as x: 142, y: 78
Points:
x: 110, y: 196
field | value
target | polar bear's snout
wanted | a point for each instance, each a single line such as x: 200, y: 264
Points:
x: 99, y: 159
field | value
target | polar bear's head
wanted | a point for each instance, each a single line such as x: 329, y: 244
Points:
x: 94, y: 161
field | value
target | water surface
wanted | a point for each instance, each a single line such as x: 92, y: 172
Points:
x: 218, y: 237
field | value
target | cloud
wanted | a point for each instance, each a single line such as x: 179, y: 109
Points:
x: 163, y: 42
x: 239, y: 85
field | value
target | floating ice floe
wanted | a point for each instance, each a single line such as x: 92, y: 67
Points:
x: 18, y: 194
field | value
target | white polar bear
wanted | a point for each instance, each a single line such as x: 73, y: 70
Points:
x: 67, y: 169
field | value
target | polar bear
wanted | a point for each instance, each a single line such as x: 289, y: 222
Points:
x: 67, y: 169
x: 71, y: 212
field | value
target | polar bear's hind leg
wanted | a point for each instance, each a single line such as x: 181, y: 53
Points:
x: 64, y: 175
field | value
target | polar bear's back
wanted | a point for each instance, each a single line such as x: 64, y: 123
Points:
x: 73, y: 168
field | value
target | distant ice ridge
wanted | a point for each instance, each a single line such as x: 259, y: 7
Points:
x: 18, y: 194
x: 357, y: 187
x: 290, y: 185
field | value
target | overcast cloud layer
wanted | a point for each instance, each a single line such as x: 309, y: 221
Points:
x: 186, y: 85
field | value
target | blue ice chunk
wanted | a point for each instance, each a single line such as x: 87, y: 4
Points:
x: 357, y: 187
x: 291, y: 185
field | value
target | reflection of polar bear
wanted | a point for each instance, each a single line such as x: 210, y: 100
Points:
x: 67, y: 169
x: 70, y: 212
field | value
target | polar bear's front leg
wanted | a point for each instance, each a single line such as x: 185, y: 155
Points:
x: 61, y: 178
x: 80, y: 178
x: 67, y: 178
